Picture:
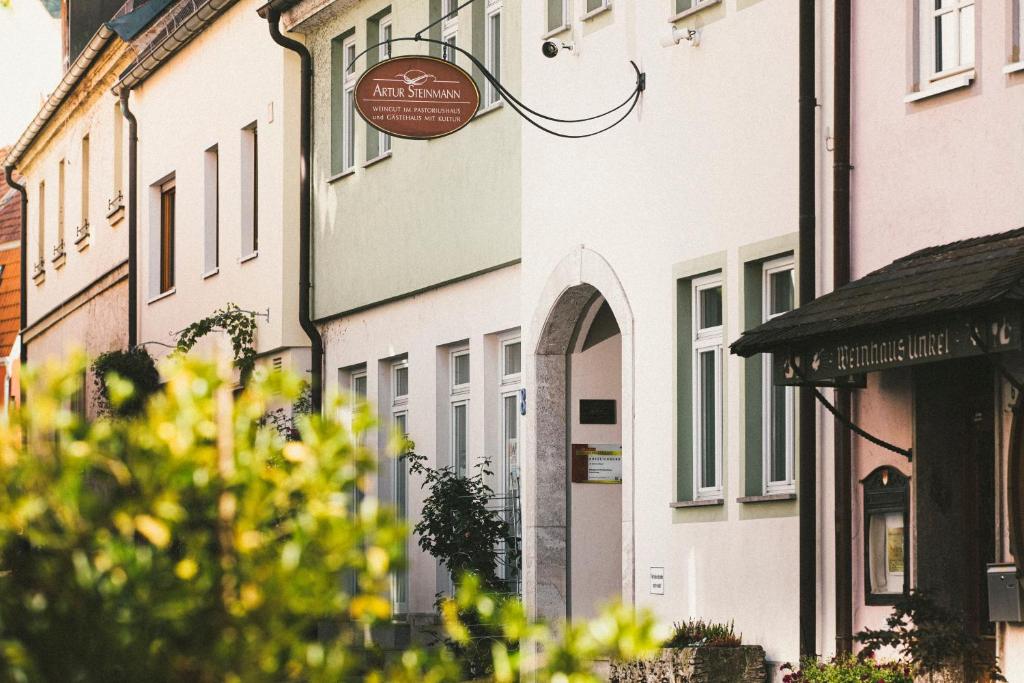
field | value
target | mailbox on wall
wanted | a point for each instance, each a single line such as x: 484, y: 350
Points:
x: 1004, y: 593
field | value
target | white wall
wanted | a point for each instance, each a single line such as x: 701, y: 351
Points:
x: 707, y: 163
x: 596, y: 521
x: 230, y: 76
x: 479, y: 312
x: 30, y: 63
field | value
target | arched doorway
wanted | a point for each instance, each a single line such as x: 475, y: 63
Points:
x: 578, y: 536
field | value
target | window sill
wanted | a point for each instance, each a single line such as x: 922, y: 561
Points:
x: 39, y: 278
x: 1013, y: 68
x: 595, y: 12
x: 338, y: 176
x: 767, y: 498
x: 115, y: 215
x: 249, y: 257
x: 555, y: 31
x: 704, y: 4
x: 493, y: 106
x: 210, y: 273
x: 162, y: 295
x: 945, y: 85
x: 377, y: 159
x: 699, y: 503
x: 59, y: 261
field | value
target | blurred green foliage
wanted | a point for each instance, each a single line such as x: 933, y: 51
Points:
x: 195, y: 543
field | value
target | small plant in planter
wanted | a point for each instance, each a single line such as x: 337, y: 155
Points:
x: 700, y: 633
x: 124, y: 381
x: 849, y: 669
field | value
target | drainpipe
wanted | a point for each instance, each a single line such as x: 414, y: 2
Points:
x: 23, y: 295
x: 841, y: 276
x: 305, y: 251
x: 808, y: 471
x: 133, y: 220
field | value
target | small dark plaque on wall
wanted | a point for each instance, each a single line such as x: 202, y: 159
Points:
x: 597, y: 411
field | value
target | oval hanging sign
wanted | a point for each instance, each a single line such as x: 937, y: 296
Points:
x: 416, y: 97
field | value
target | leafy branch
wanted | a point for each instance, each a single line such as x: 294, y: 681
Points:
x: 240, y: 327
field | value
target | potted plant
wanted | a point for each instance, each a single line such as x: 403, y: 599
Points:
x: 698, y: 652
x: 848, y: 669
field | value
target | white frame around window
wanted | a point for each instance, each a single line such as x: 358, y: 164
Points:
x: 384, y: 51
x: 456, y: 386
x: 601, y: 6
x: 930, y: 18
x: 492, y: 49
x: 788, y: 484
x: 706, y: 340
x: 449, y: 29
x: 400, y: 499
x: 348, y: 118
x: 396, y: 398
x: 506, y: 376
x: 563, y: 23
x: 460, y: 464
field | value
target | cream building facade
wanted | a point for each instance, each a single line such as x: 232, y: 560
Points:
x: 72, y: 159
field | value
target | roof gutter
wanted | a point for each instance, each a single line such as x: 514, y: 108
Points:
x: 843, y: 473
x: 808, y: 465
x: 23, y: 294
x: 85, y: 60
x: 273, y: 17
x: 133, y: 219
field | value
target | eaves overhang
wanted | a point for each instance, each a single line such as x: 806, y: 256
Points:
x: 97, y: 44
x: 195, y: 17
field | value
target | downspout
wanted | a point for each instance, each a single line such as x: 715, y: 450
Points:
x: 841, y: 276
x: 305, y: 251
x: 133, y: 220
x: 23, y: 295
x: 808, y: 470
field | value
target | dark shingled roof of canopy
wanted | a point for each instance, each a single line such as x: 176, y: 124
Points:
x: 950, y: 278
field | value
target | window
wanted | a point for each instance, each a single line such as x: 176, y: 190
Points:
x: 58, y: 249
x: 116, y: 200
x: 83, y: 229
x: 384, y: 52
x: 211, y: 210
x: 449, y: 29
x: 947, y: 37
x: 492, y: 50
x: 558, y: 15
x: 250, y: 191
x: 400, y: 383
x: 681, y: 6
x: 595, y: 6
x: 166, y: 262
x: 777, y: 294
x: 459, y: 364
x: 41, y: 234
x: 508, y: 465
x: 400, y: 498
x: 358, y: 385
x: 707, y: 385
x: 348, y: 115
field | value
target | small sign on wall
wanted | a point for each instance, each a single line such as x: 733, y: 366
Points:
x: 595, y: 411
x: 596, y: 463
x: 657, y: 580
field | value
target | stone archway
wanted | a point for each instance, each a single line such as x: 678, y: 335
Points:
x: 571, y: 288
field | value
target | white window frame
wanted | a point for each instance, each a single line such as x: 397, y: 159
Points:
x: 459, y: 396
x: 396, y: 398
x: 400, y: 578
x: 449, y: 29
x: 384, y: 51
x: 928, y: 15
x: 604, y: 6
x: 348, y: 123
x: 493, y: 8
x: 564, y: 24
x: 510, y: 385
x: 788, y: 485
x: 706, y: 340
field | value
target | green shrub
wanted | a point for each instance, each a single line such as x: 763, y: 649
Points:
x: 699, y: 633
x: 849, y: 669
x: 194, y: 544
x: 135, y: 366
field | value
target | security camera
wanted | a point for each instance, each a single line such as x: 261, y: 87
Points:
x: 550, y: 48
x: 673, y: 35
